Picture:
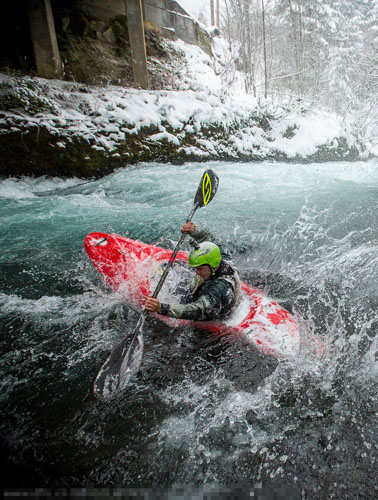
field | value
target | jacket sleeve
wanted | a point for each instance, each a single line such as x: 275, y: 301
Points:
x: 201, y: 234
x: 208, y: 307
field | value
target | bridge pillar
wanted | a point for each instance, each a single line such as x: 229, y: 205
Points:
x: 137, y: 42
x: 43, y: 35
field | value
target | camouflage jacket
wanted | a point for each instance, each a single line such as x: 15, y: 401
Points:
x: 209, y: 299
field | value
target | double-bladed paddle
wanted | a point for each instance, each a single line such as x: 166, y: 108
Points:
x: 125, y: 359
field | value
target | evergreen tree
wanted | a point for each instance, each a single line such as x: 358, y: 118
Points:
x: 346, y: 44
x: 322, y: 50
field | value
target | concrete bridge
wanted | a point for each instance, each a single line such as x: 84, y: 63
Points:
x: 168, y: 15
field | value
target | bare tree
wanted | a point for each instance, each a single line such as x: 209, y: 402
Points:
x: 264, y: 45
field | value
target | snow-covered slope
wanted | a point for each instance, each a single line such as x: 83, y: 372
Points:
x: 209, y: 117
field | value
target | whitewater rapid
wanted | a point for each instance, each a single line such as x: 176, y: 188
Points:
x: 202, y: 410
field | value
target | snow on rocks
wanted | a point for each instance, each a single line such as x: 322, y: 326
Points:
x: 202, y: 121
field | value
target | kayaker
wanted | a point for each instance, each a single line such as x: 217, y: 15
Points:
x: 215, y: 288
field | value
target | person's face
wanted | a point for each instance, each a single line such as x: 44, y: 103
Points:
x: 203, y: 271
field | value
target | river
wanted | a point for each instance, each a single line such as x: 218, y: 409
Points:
x: 202, y: 410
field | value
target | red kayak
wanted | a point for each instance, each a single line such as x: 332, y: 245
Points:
x: 133, y: 268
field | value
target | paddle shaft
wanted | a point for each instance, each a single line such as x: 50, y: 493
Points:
x: 173, y: 256
x: 168, y: 267
x: 111, y: 374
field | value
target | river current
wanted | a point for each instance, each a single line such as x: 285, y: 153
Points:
x: 202, y: 410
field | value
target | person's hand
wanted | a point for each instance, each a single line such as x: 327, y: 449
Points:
x: 152, y: 305
x: 188, y: 227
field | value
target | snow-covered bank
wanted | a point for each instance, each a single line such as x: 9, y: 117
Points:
x: 64, y: 128
x: 60, y: 127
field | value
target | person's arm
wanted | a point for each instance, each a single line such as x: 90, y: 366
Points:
x: 194, y: 311
x: 206, y: 308
x: 200, y: 234
x: 200, y: 310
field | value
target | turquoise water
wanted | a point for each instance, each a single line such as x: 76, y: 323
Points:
x: 202, y: 410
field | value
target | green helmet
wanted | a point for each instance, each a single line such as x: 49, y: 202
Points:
x: 207, y: 253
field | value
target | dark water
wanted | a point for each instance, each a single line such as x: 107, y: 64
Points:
x: 203, y: 410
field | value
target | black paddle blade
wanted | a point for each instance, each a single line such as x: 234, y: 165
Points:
x: 207, y: 188
x: 123, y: 362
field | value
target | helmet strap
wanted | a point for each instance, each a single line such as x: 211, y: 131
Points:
x: 214, y: 270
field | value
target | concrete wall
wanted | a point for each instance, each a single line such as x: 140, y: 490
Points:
x: 174, y: 22
x: 105, y: 9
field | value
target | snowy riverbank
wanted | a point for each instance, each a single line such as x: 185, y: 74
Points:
x: 62, y: 128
